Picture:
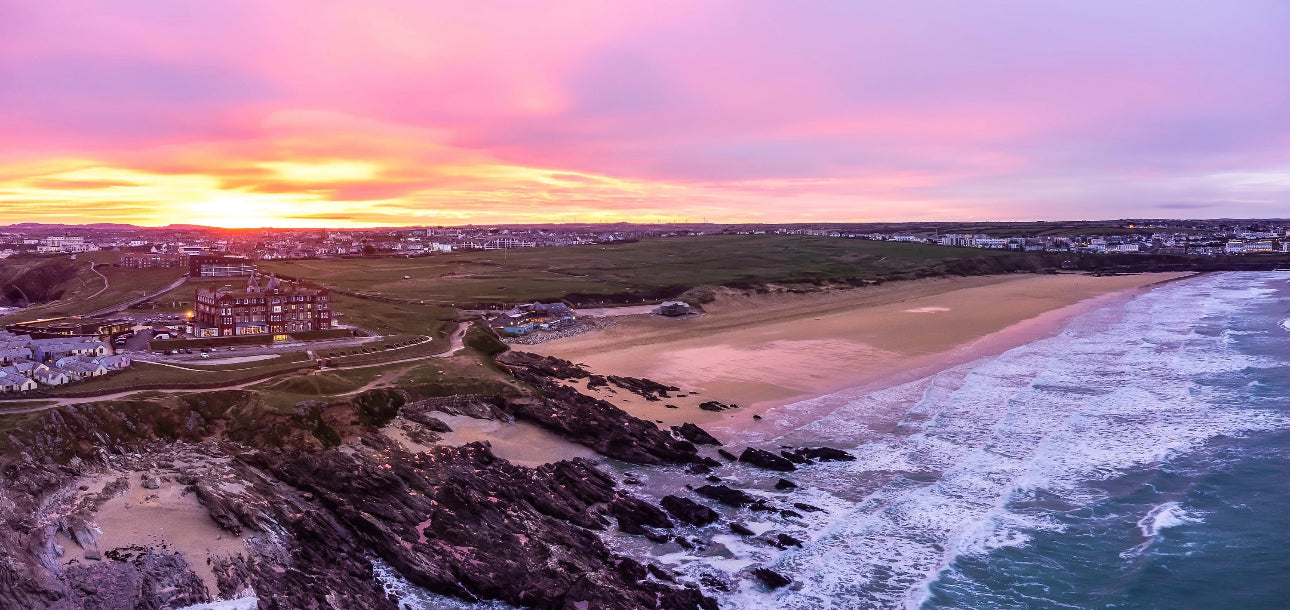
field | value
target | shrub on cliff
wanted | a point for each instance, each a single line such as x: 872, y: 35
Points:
x: 481, y: 339
x: 378, y: 407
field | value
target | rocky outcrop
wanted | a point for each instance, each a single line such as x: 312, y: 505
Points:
x: 695, y: 434
x: 805, y: 455
x: 478, y: 406
x: 766, y: 459
x: 688, y: 510
x: 457, y: 521
x: 726, y: 495
x: 633, y: 513
x: 133, y: 578
x: 649, y: 389
x: 771, y: 578
x: 546, y: 366
x: 590, y: 421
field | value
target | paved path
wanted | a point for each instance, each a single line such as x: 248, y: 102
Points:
x: 126, y: 304
x: 455, y: 343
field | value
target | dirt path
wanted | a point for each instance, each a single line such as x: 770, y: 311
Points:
x: 106, y: 283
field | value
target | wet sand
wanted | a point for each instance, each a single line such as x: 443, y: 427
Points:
x: 763, y: 351
x: 166, y: 517
x: 519, y: 442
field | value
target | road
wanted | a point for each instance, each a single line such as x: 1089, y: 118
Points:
x: 125, y: 304
x: 455, y: 343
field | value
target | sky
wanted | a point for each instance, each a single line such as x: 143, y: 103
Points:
x: 297, y: 113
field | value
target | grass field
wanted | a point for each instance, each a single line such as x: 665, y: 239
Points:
x: 143, y: 374
x: 651, y: 269
x: 467, y: 373
x: 81, y: 292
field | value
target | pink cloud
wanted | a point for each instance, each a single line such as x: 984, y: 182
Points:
x: 861, y: 110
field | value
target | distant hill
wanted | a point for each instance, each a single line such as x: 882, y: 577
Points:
x: 54, y: 227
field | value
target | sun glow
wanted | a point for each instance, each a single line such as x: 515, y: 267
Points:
x: 336, y: 171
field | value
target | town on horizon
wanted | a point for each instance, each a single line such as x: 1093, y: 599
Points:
x: 1206, y: 237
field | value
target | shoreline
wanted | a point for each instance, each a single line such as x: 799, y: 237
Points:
x: 763, y: 352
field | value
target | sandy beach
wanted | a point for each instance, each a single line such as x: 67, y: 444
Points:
x: 760, y: 351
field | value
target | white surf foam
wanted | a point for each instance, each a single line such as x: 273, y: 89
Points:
x: 1169, y: 514
x: 974, y: 445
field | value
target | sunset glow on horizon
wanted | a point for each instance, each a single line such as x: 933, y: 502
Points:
x: 393, y: 113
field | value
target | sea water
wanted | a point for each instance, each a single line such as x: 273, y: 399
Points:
x: 1138, y: 459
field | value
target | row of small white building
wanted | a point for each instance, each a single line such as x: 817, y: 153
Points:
x: 26, y: 363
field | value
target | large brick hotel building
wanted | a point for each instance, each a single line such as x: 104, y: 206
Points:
x: 266, y: 305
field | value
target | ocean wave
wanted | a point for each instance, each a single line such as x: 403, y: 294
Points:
x: 1159, y: 518
x: 977, y: 452
x: 1167, y: 515
x: 1285, y: 324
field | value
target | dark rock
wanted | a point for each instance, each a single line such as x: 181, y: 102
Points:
x: 434, y: 424
x: 684, y: 542
x: 785, y: 484
x: 455, y: 520
x: 688, y: 510
x: 632, y: 513
x: 164, y: 580
x: 631, y: 570
x: 771, y: 578
x: 766, y: 459
x: 823, y: 454
x: 714, y: 582
x: 756, y: 418
x: 726, y: 454
x: 712, y: 405
x: 672, y: 406
x: 714, y: 479
x: 546, y: 366
x: 784, y: 540
x: 725, y: 495
x: 807, y: 507
x: 793, y: 457
x: 740, y: 529
x: 660, y: 573
x: 695, y: 434
x: 790, y: 513
x: 590, y: 421
x: 650, y: 390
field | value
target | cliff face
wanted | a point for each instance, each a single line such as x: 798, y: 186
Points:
x: 299, y: 520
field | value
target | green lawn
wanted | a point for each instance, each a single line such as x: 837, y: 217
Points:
x: 142, y: 374
x: 651, y: 268
x: 79, y: 291
x: 10, y: 405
